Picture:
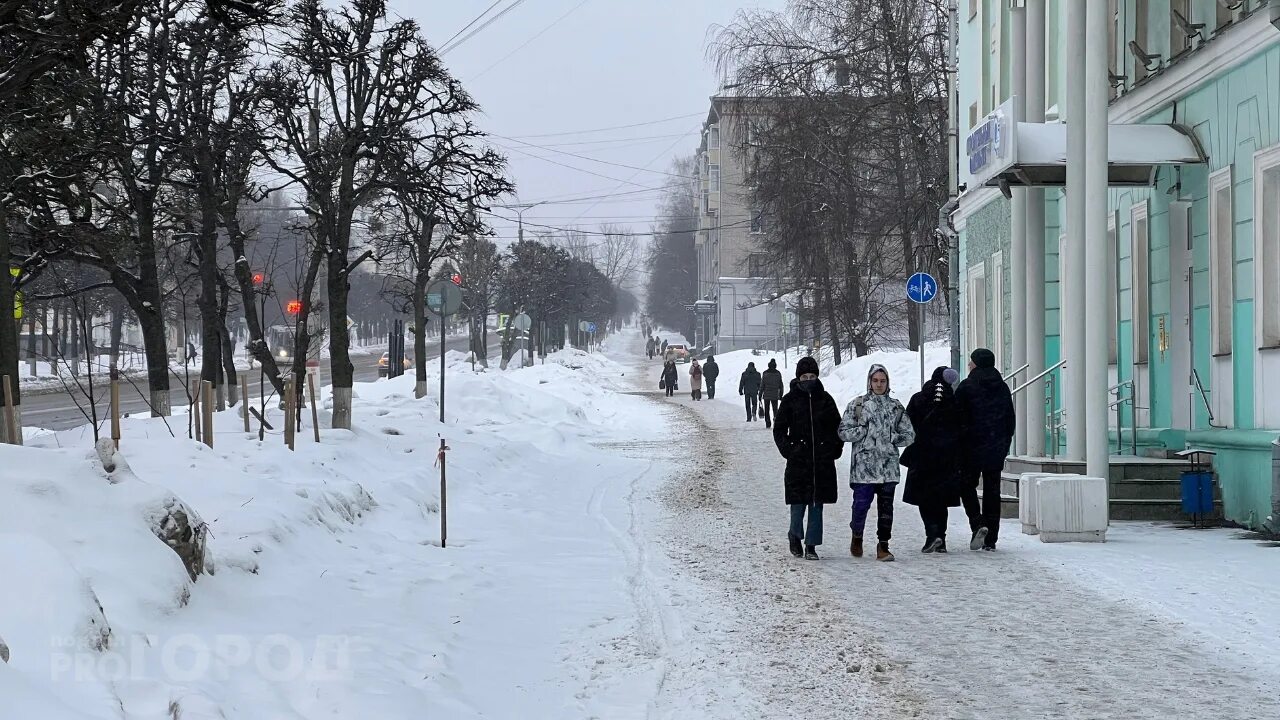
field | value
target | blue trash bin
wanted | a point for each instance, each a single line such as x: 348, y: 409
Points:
x: 1197, y: 492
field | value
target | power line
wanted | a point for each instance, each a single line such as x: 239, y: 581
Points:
x: 668, y: 149
x: 571, y: 167
x: 530, y: 41
x: 643, y: 140
x: 477, y: 31
x: 477, y: 19
x: 615, y: 127
x: 591, y: 159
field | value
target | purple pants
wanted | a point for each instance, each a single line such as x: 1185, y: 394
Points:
x: 863, y: 494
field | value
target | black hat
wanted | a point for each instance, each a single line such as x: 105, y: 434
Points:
x: 983, y: 358
x: 806, y: 365
x: 773, y: 364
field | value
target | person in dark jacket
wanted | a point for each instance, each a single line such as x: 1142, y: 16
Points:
x: 988, y: 421
x: 649, y: 347
x: 749, y: 389
x: 771, y: 391
x: 806, y: 433
x: 711, y: 371
x: 933, y: 460
x: 670, y: 377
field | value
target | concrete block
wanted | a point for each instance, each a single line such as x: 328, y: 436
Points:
x: 1072, y: 509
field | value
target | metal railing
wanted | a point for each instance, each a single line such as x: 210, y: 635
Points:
x: 1023, y: 386
x: 1055, y: 420
x: 1118, y: 404
x: 1204, y: 398
x: 1017, y: 372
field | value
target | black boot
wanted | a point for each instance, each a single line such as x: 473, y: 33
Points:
x: 795, y: 546
x: 810, y: 553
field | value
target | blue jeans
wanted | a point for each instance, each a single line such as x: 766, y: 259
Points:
x: 813, y: 536
x: 863, y: 494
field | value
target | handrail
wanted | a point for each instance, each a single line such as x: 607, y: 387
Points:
x: 1204, y: 397
x: 1023, y: 386
x: 1132, y: 401
x: 1017, y: 372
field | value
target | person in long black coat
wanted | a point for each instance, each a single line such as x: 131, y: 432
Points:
x: 749, y: 389
x: 933, y: 460
x: 987, y: 415
x: 670, y: 377
x: 805, y: 432
x: 711, y: 371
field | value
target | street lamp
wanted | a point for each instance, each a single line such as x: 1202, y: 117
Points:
x: 520, y: 208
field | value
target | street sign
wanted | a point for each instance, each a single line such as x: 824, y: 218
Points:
x: 17, y: 295
x: 521, y: 322
x: 921, y: 288
x: 591, y: 327
x: 582, y: 326
x: 443, y: 298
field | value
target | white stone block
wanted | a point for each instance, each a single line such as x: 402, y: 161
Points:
x: 1028, y: 499
x: 1071, y: 508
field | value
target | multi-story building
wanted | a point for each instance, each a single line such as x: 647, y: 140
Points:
x: 731, y: 270
x: 1193, y: 279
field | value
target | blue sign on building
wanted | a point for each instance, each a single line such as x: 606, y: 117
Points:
x: 921, y: 288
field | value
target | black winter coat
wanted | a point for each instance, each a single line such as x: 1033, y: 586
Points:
x: 771, y: 385
x: 750, y: 383
x: 986, y: 414
x: 671, y: 376
x: 805, y: 432
x: 711, y: 371
x: 934, y: 459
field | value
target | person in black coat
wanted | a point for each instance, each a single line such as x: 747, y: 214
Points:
x: 771, y: 391
x: 749, y: 389
x: 670, y: 377
x: 806, y: 433
x: 988, y: 421
x: 933, y: 460
x: 711, y: 371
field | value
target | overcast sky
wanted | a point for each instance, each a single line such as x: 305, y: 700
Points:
x: 599, y: 64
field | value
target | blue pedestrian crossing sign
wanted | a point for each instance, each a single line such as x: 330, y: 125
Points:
x: 921, y: 288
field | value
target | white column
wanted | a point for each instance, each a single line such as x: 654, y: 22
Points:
x: 1035, y: 416
x: 1097, y: 92
x: 1073, y: 284
x: 1018, y: 241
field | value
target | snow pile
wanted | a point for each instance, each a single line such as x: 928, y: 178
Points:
x: 326, y: 590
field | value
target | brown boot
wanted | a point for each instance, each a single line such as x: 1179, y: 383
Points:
x: 882, y: 552
x: 855, y: 547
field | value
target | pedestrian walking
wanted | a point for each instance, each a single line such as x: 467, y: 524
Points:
x: 191, y: 353
x: 933, y: 460
x: 875, y: 425
x: 771, y: 391
x: 806, y: 432
x: 711, y: 371
x: 987, y: 416
x: 664, y: 347
x: 670, y: 377
x: 695, y: 380
x: 749, y: 389
x: 648, y: 347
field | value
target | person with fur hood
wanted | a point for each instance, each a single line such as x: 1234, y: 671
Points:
x: 806, y: 433
x: 695, y: 380
x: 875, y: 425
x: 934, y: 459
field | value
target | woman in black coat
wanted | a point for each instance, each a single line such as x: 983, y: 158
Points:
x: 805, y: 432
x: 670, y: 377
x: 934, y: 460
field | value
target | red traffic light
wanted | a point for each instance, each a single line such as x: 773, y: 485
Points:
x: 258, y: 278
x: 294, y: 307
x: 457, y: 279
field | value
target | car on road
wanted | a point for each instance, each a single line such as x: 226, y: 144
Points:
x: 384, y: 363
x: 680, y: 353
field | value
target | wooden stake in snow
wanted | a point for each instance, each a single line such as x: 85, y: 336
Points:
x: 207, y: 404
x: 315, y: 413
x: 244, y: 400
x: 195, y: 410
x: 290, y: 418
x: 115, y: 407
x: 444, y: 515
x: 10, y: 415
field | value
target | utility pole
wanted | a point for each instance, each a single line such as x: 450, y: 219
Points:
x: 953, y: 185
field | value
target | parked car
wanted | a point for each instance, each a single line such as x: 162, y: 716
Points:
x: 680, y: 353
x: 384, y: 362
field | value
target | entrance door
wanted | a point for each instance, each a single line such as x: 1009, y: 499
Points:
x: 1180, y: 304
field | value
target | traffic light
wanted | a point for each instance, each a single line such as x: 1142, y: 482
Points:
x: 294, y: 307
x: 457, y: 279
x: 258, y: 278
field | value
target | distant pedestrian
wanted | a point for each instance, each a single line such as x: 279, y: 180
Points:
x: 806, y: 433
x: 875, y: 424
x: 670, y: 378
x: 986, y: 413
x: 191, y: 353
x: 933, y: 460
x: 695, y: 380
x: 771, y: 390
x: 711, y: 371
x: 648, y: 347
x: 664, y: 347
x: 749, y: 389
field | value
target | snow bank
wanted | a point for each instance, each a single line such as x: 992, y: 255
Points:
x: 326, y: 590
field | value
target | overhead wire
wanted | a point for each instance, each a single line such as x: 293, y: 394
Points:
x: 615, y: 127
x: 450, y: 48
x: 531, y: 40
x: 467, y: 27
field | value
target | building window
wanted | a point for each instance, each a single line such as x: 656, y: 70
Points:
x: 1113, y: 290
x: 713, y: 138
x: 757, y: 265
x: 1139, y: 289
x: 706, y: 202
x: 976, y: 308
x: 1221, y: 260
x: 714, y: 174
x: 1266, y: 264
x: 997, y: 305
x: 757, y: 221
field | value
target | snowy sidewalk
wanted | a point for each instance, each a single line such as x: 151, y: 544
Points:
x: 1146, y: 626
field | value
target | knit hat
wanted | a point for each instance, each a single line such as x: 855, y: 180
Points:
x: 773, y: 364
x: 951, y: 376
x: 806, y: 366
x: 983, y: 358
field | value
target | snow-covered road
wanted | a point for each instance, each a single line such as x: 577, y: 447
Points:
x: 1014, y: 634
